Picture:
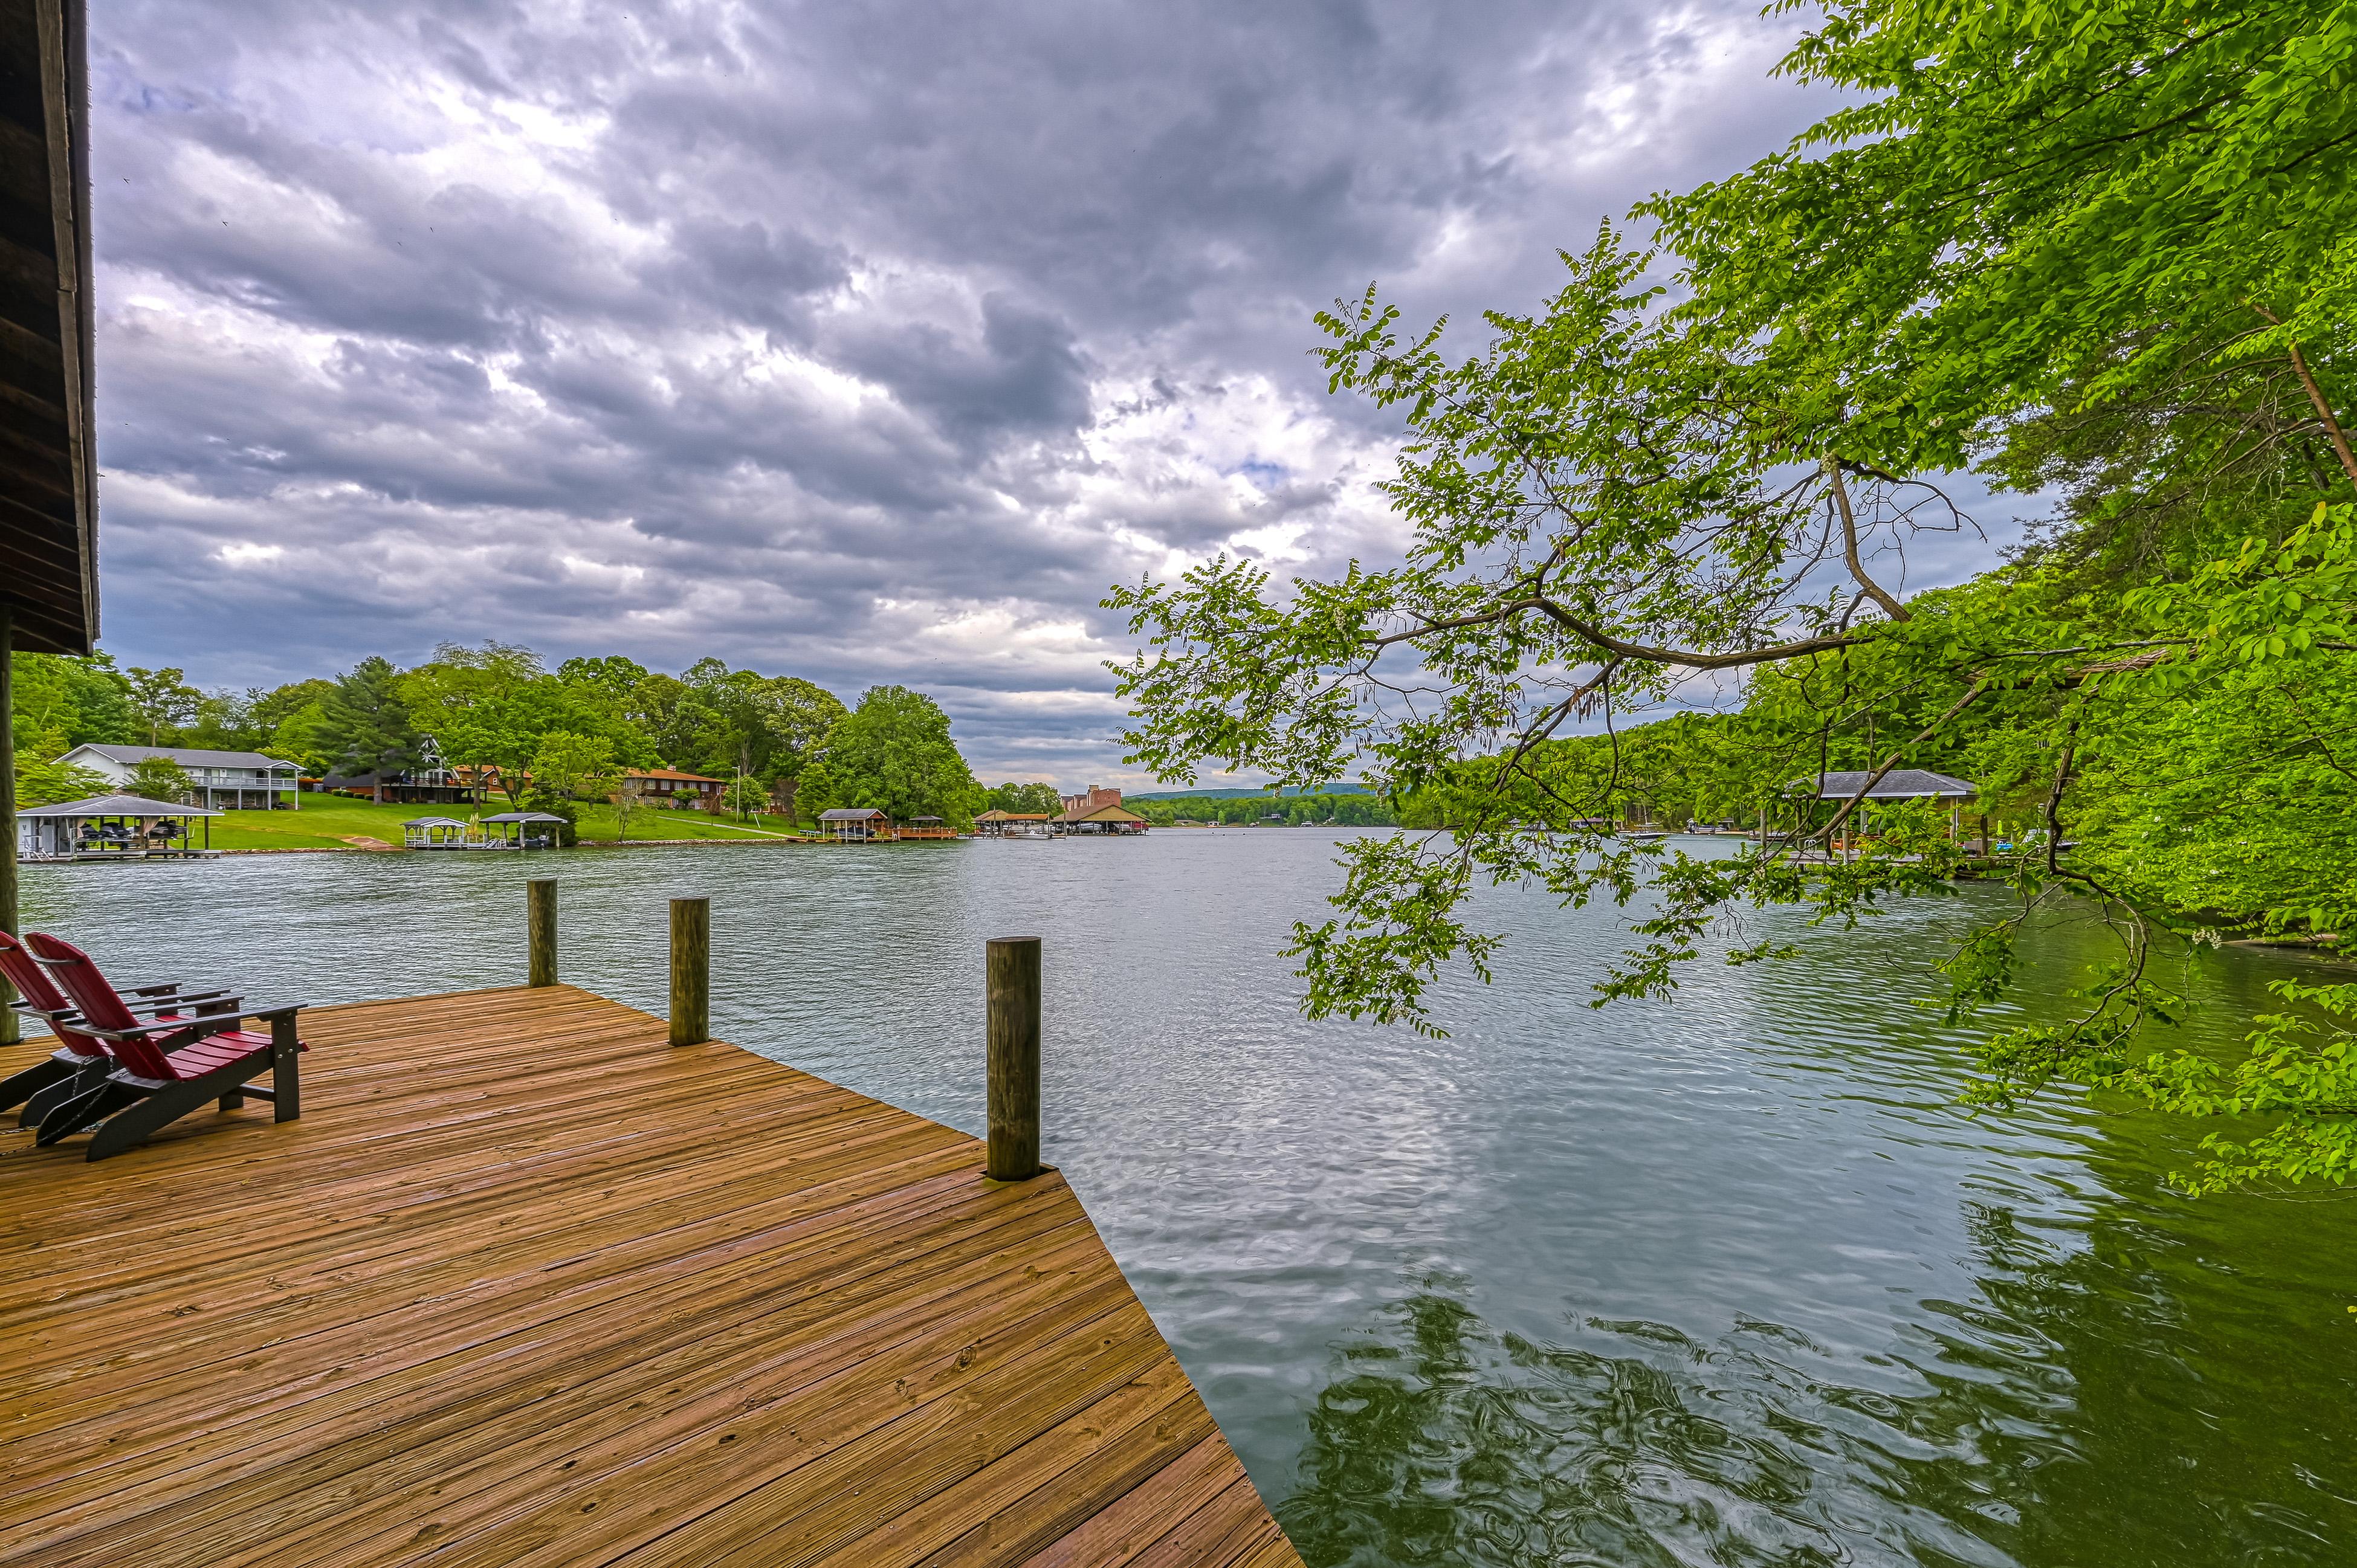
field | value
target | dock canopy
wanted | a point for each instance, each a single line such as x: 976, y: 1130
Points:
x: 854, y: 822
x: 115, y: 806
x: 101, y: 827
x: 1898, y: 784
x: 524, y: 817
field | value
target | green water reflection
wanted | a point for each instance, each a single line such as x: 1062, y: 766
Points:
x: 2114, y: 1392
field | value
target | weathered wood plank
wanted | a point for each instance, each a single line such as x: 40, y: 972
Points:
x: 527, y: 1285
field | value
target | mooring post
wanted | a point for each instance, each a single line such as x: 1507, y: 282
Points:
x: 540, y: 921
x: 691, y: 971
x: 1013, y: 969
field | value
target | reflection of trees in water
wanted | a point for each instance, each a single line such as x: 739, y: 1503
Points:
x: 2054, y: 1421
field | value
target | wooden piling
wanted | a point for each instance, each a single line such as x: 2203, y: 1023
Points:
x: 1013, y: 970
x: 691, y: 971
x: 540, y: 921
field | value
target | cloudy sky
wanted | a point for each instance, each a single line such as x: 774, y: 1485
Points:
x: 864, y: 342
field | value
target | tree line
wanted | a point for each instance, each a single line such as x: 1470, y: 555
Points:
x: 1351, y: 810
x: 2096, y: 249
x: 542, y: 737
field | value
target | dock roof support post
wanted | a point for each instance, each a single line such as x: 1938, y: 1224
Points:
x: 1012, y: 967
x: 691, y: 971
x: 540, y: 924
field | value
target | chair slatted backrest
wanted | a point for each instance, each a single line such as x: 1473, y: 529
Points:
x: 33, y: 983
x: 78, y: 978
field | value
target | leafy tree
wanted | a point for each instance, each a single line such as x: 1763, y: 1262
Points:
x: 1352, y: 809
x: 1025, y: 799
x: 160, y: 778
x: 573, y: 765
x: 163, y: 699
x: 49, y: 782
x: 364, y: 724
x: 507, y: 660
x: 685, y: 729
x: 492, y: 721
x: 612, y: 679
x: 2084, y: 193
x: 892, y: 753
x: 764, y: 727
x: 70, y: 701
x: 288, y: 723
x: 2097, y: 243
x: 494, y: 706
x: 744, y: 796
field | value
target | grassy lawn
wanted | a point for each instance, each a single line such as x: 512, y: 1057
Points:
x: 327, y: 822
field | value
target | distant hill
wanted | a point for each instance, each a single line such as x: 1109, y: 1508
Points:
x: 1236, y: 792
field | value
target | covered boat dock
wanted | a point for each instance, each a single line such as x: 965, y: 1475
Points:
x: 113, y: 827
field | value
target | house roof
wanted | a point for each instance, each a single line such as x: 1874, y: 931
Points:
x: 1898, y: 784
x: 1102, y: 814
x: 116, y: 806
x: 185, y: 756
x: 671, y: 773
x: 48, y: 570
x: 392, y: 781
x: 850, y: 814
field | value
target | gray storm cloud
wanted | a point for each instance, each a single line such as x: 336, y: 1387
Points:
x: 862, y: 343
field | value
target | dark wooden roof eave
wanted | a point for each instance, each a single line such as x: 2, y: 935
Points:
x: 48, y: 471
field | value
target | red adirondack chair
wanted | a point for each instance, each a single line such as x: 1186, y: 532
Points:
x: 162, y: 1069
x: 80, y: 1061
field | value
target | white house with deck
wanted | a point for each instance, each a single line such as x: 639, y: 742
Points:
x: 223, y: 780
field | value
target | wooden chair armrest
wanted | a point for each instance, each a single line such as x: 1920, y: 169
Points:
x: 220, y: 1000
x: 283, y: 1010
x: 195, y: 1029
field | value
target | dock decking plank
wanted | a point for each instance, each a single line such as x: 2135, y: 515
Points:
x: 526, y: 1285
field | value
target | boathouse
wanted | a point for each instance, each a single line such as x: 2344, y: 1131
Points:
x: 995, y: 823
x: 1098, y: 809
x: 855, y: 824
x: 111, y: 827
x: 1898, y: 784
x: 1102, y: 819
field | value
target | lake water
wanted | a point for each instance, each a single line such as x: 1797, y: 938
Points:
x: 1722, y: 1280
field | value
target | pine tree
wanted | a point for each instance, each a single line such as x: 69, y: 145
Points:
x: 365, y: 725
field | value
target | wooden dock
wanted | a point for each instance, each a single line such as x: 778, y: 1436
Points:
x: 527, y: 1286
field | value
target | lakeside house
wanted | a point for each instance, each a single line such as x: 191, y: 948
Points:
x: 663, y: 786
x: 223, y: 780
x: 410, y: 787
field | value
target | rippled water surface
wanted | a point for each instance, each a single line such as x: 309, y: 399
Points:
x: 1723, y: 1279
